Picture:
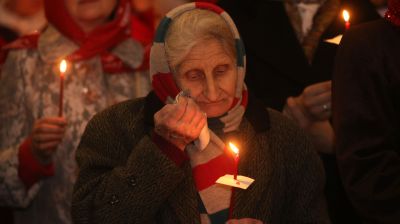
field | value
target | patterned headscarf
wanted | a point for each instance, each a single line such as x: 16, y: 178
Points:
x: 162, y: 77
x: 393, y: 12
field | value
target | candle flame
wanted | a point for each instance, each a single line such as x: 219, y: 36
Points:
x: 234, y: 148
x: 63, y: 66
x: 346, y: 15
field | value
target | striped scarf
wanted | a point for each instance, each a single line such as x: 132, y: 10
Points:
x: 214, y: 161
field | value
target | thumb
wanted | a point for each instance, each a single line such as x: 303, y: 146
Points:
x: 297, y: 113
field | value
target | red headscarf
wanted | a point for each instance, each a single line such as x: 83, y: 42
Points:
x: 97, y: 42
x: 393, y: 12
x: 142, y: 30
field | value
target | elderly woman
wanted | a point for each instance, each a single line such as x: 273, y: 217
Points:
x: 37, y: 147
x: 139, y: 162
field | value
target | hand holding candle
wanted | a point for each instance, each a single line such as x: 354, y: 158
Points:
x: 63, y: 68
x: 346, y: 17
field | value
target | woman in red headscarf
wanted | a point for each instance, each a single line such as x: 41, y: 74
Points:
x: 366, y: 102
x: 37, y: 146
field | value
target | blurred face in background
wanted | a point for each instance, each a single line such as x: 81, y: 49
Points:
x: 90, y: 13
x: 25, y: 7
x: 142, y: 5
x: 379, y: 3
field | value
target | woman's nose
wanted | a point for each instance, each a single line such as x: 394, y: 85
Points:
x: 211, y: 90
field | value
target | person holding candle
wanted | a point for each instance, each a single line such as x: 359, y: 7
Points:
x: 37, y: 146
x: 366, y: 100
x: 290, y: 68
x: 139, y: 161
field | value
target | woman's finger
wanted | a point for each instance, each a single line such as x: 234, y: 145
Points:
x: 286, y: 111
x: 190, y: 112
x: 297, y: 113
x: 321, y: 112
x: 198, y: 117
x: 317, y: 100
x: 318, y: 88
x: 197, y: 125
x: 59, y: 121
x: 168, y: 115
x: 48, y: 128
x: 47, y: 137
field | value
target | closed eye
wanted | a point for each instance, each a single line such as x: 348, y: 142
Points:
x: 194, y: 75
x: 221, y: 69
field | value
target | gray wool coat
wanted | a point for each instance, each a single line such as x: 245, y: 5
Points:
x: 125, y: 178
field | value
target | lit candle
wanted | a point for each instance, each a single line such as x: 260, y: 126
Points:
x: 63, y: 68
x: 236, y: 151
x: 346, y: 17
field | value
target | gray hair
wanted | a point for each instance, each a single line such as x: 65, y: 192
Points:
x: 192, y: 27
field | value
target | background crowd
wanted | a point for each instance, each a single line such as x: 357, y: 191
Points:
x: 343, y: 96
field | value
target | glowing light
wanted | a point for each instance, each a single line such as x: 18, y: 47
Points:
x: 234, y: 148
x: 63, y: 66
x: 346, y: 16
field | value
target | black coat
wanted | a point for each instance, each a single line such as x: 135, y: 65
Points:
x: 125, y: 178
x: 278, y: 68
x: 276, y: 65
x: 366, y: 118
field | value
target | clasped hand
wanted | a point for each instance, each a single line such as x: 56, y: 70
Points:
x: 180, y: 123
x: 313, y: 105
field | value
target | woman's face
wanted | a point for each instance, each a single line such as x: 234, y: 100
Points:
x: 210, y: 74
x: 90, y: 13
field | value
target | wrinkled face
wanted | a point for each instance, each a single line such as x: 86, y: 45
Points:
x: 210, y: 74
x: 90, y: 12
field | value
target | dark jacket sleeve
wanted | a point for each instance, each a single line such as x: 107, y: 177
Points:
x: 124, y: 177
x: 366, y: 124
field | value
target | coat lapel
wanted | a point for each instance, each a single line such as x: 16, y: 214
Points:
x: 184, y: 200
